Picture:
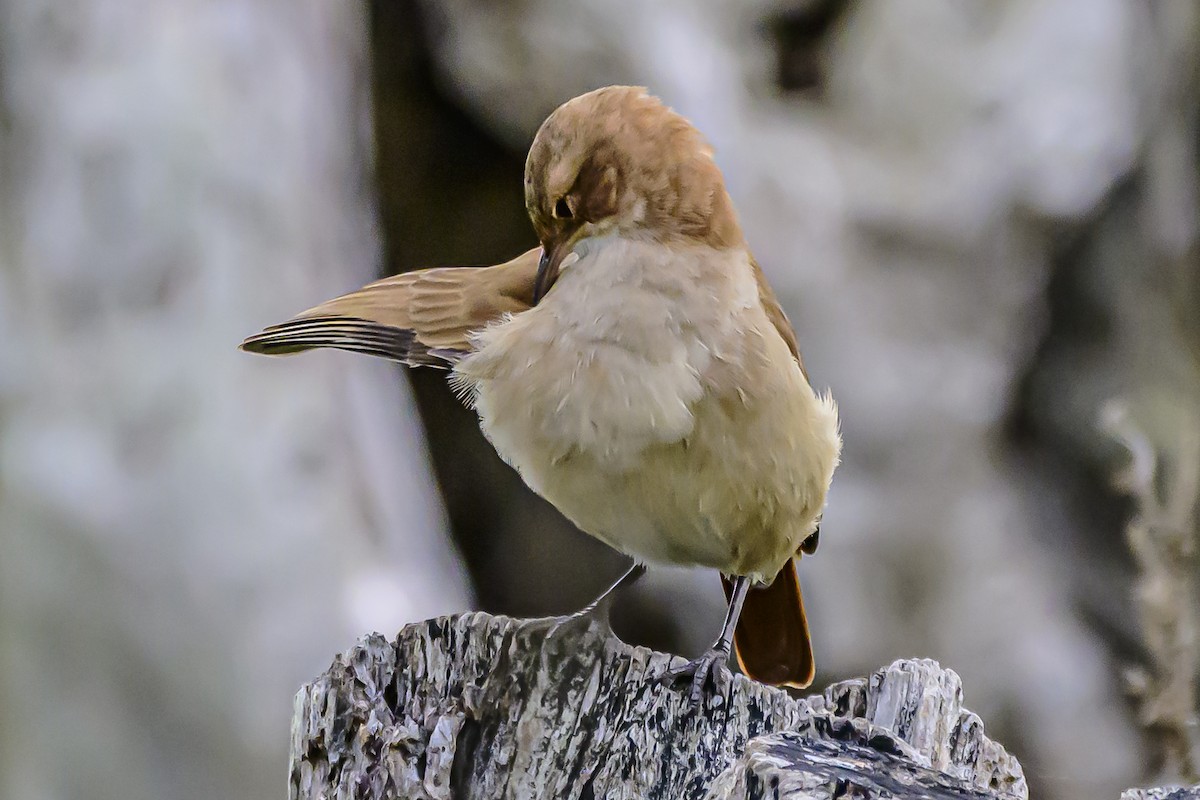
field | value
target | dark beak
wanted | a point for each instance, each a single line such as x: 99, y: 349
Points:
x: 547, y: 274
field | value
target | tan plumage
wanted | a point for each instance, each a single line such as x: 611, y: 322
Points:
x: 636, y: 368
x: 421, y: 318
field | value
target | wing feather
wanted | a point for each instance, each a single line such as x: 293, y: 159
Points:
x: 775, y: 313
x: 421, y: 318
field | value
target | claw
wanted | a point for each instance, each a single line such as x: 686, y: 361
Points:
x: 581, y: 620
x: 711, y: 665
x: 705, y: 670
x: 598, y: 611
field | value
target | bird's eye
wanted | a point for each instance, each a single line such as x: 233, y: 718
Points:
x: 561, y: 209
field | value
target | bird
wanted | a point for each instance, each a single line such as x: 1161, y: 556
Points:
x: 635, y: 368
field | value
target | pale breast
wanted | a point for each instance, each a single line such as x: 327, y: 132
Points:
x: 653, y: 404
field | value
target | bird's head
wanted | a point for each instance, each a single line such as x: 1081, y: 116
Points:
x: 618, y: 161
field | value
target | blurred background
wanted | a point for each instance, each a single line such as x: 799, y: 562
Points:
x: 981, y: 217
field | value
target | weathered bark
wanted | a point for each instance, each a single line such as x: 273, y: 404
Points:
x: 480, y: 706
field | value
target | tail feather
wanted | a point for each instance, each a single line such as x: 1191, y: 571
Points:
x: 771, y: 639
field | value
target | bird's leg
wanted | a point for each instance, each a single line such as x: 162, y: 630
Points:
x: 710, y: 664
x: 592, y: 619
x: 602, y: 604
x: 597, y: 610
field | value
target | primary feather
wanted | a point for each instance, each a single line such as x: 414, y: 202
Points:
x: 421, y: 318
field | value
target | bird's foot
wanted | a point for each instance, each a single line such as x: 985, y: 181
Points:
x: 708, y: 669
x: 582, y: 620
x: 598, y: 611
x: 587, y: 617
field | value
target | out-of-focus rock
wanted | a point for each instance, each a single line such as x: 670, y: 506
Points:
x: 1163, y: 793
x: 188, y: 530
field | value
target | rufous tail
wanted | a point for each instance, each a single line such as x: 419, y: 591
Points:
x: 771, y: 639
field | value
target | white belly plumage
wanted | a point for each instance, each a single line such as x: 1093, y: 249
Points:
x: 670, y: 434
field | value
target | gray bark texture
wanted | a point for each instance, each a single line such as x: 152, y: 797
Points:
x: 476, y: 706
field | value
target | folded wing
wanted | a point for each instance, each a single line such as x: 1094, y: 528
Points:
x: 421, y: 318
x: 772, y: 640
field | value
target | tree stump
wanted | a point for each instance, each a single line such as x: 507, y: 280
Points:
x: 475, y: 706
